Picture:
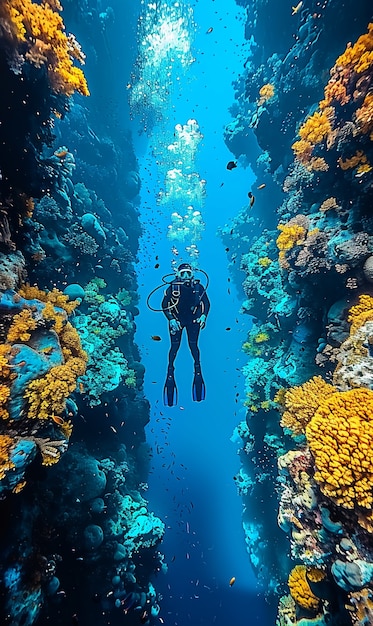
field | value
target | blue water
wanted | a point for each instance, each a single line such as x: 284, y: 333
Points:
x: 191, y: 484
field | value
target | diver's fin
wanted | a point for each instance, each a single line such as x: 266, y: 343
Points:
x: 170, y: 389
x: 198, y: 388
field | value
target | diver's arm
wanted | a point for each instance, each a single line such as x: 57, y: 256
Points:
x: 166, y: 303
x: 205, y: 303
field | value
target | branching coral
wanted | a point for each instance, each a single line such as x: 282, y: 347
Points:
x: 300, y: 589
x: 55, y: 297
x: 46, y: 396
x: 301, y: 402
x: 360, y: 312
x: 339, y: 436
x: 39, y: 29
x: 22, y: 325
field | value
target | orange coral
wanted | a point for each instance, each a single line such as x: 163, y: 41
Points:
x: 339, y: 437
x: 300, y: 589
x: 21, y: 326
x: 300, y: 403
x: 358, y: 158
x: 364, y: 115
x: 41, y: 28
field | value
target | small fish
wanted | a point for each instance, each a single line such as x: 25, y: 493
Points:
x: 252, y: 199
x: 156, y: 338
x: 47, y: 350
x: 156, y: 266
x: 209, y: 30
x: 144, y: 617
x: 261, y: 186
x: 227, y: 328
x: 61, y: 153
x: 231, y: 165
x: 294, y: 10
x: 232, y: 581
x: 58, y: 420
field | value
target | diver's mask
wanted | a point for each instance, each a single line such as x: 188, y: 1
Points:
x: 185, y: 275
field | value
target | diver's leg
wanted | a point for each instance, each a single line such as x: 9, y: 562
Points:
x: 198, y: 386
x: 193, y: 334
x: 175, y: 340
x: 170, y: 389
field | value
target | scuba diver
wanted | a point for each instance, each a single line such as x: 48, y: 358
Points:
x: 185, y: 305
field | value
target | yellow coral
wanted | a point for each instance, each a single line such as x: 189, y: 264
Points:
x: 47, y: 395
x: 358, y: 56
x: 264, y: 261
x: 315, y: 128
x: 266, y: 93
x: 4, y: 360
x: 361, y: 312
x: 22, y: 324
x: 314, y: 574
x: 49, y: 313
x: 300, y: 589
x: 55, y: 297
x: 261, y: 337
x: 301, y: 402
x: 339, y: 436
x: 41, y: 28
x: 70, y: 342
x: 6, y: 464
x: 290, y: 235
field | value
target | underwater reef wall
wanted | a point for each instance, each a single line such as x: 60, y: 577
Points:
x: 302, y: 251
x: 78, y: 542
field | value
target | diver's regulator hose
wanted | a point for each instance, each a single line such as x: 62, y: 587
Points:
x: 166, y: 282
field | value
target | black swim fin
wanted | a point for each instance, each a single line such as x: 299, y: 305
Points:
x: 170, y: 389
x: 198, y: 388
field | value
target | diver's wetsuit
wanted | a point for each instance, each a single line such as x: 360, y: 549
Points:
x: 185, y: 301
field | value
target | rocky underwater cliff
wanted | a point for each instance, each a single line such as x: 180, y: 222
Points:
x: 78, y: 542
x: 302, y: 251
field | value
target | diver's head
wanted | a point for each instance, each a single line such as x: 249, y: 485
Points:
x: 184, y: 272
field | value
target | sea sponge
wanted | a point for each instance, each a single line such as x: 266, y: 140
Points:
x: 22, y: 324
x: 339, y: 437
x: 300, y: 589
x: 38, y: 29
x: 301, y: 402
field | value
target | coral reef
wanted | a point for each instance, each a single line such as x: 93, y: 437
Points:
x: 307, y: 282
